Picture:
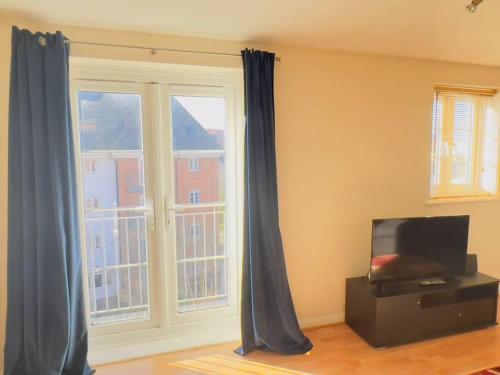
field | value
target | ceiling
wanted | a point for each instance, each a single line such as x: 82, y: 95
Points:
x: 431, y: 29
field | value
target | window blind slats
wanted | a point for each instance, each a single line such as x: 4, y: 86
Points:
x: 464, y: 143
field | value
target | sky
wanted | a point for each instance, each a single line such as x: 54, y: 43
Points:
x: 210, y: 112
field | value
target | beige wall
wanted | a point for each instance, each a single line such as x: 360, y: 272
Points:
x: 353, y: 141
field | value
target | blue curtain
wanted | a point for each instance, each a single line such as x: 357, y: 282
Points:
x: 268, y: 319
x: 46, y: 330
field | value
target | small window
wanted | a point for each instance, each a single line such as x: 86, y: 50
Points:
x: 109, y: 278
x: 194, y: 164
x: 464, y: 144
x: 98, y: 280
x: 93, y: 203
x: 194, y: 197
x: 94, y: 242
x: 89, y: 166
x: 195, y: 230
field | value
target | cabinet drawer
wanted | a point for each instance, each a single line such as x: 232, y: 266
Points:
x: 460, y: 316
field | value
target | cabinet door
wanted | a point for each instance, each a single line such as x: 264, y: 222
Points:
x: 398, y: 320
x: 477, y: 313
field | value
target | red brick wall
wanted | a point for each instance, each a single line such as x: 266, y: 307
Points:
x: 127, y: 175
x: 206, y: 180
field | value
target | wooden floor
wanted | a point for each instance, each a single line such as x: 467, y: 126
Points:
x: 338, y: 350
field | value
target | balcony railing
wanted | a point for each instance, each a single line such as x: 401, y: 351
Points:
x: 202, y: 260
x: 119, y: 261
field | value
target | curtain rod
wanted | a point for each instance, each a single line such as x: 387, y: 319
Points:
x: 155, y: 49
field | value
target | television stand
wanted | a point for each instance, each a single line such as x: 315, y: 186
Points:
x: 405, y: 312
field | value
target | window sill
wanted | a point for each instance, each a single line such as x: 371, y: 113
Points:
x: 433, y: 201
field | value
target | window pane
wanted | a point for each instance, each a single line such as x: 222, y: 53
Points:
x: 437, y: 144
x: 113, y: 180
x: 489, y: 174
x: 109, y: 121
x: 463, y: 138
x: 198, y: 137
x: 199, y: 125
x: 464, y: 145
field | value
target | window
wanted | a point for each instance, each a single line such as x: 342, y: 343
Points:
x: 464, y: 158
x: 203, y: 275
x: 168, y: 265
x: 94, y: 242
x: 116, y: 135
x: 194, y: 164
x: 89, y: 166
x: 194, y: 197
x: 93, y: 203
x: 98, y: 280
x: 195, y: 230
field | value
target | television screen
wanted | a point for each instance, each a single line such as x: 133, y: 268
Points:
x: 418, y: 247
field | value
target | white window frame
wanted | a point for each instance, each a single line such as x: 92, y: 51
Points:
x: 144, y: 91
x: 232, y: 213
x: 204, y: 327
x: 463, y: 192
x: 194, y: 164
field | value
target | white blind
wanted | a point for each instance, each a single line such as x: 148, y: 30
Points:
x: 464, y: 143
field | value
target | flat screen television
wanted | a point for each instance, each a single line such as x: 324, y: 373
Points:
x: 416, y: 248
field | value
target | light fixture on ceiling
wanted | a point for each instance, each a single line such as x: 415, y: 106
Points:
x: 473, y: 5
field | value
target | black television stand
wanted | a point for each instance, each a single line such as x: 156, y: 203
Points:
x: 398, y: 313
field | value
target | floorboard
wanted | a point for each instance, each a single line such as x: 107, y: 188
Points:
x: 338, y: 350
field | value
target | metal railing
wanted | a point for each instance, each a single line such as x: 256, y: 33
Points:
x: 124, y: 292
x: 122, y: 260
x: 204, y: 287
